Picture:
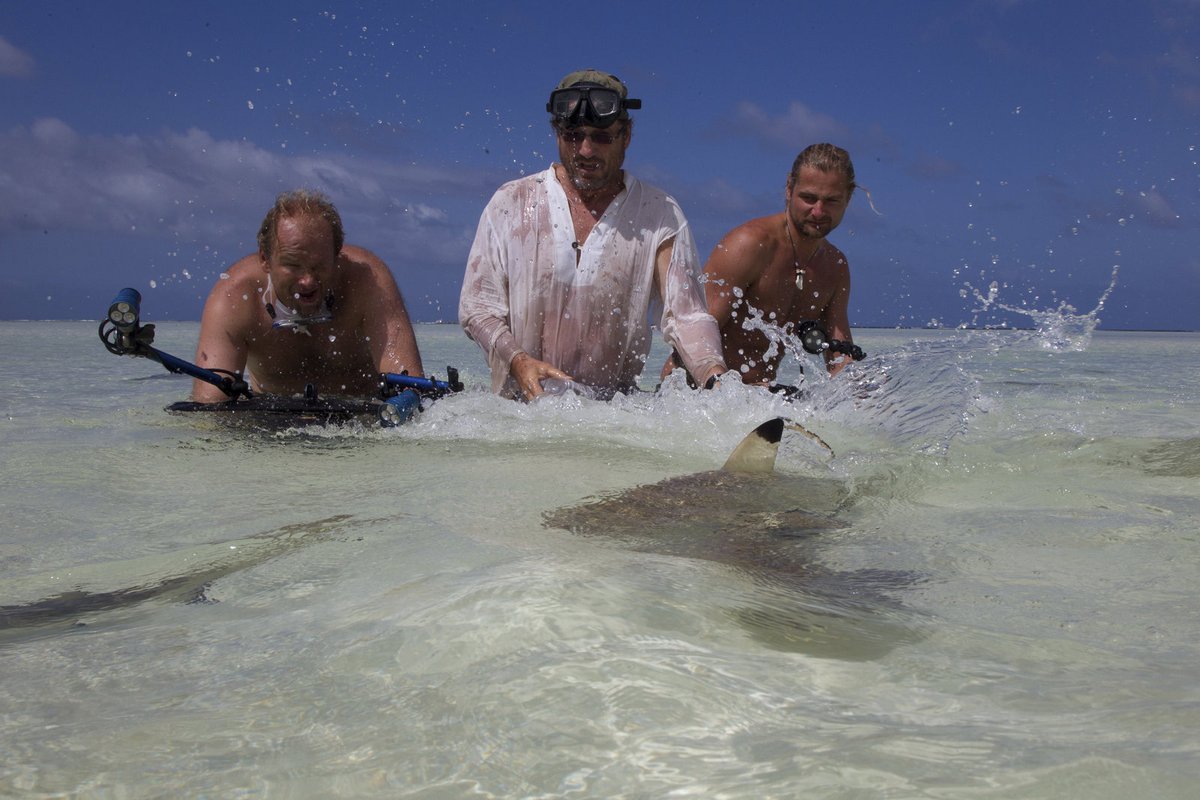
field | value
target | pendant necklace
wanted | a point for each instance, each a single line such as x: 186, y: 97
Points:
x: 796, y: 257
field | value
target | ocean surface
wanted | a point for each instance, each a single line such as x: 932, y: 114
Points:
x: 983, y: 584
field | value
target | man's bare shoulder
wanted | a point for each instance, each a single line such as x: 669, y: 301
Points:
x: 365, y: 282
x: 360, y: 261
x: 754, y: 235
x: 756, y: 230
x: 233, y: 314
x: 749, y: 246
x: 244, y: 279
x: 834, y: 258
x: 361, y: 267
x: 354, y: 254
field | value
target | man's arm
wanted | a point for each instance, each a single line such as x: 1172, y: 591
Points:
x: 224, y: 328
x: 485, y: 312
x: 734, y: 265
x: 836, y: 318
x: 685, y: 322
x: 386, y: 324
x: 483, y: 302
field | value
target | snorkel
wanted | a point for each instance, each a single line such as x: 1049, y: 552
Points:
x: 284, y: 317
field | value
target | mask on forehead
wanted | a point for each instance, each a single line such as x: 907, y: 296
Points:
x: 588, y: 104
x: 590, y: 97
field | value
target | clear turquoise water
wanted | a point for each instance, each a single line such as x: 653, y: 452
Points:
x: 1005, y: 610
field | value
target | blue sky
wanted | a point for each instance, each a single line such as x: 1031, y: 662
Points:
x: 1033, y: 144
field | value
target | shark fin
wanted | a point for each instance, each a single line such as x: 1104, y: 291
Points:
x: 756, y: 453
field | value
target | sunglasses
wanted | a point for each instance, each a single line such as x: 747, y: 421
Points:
x: 576, y: 136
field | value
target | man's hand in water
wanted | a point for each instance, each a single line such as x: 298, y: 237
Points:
x: 529, y: 373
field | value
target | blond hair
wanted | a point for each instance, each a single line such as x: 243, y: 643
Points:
x: 296, y: 203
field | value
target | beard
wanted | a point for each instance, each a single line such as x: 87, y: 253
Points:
x: 810, y: 230
x: 592, y: 180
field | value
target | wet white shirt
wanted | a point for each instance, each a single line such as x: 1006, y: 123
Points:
x: 524, y: 291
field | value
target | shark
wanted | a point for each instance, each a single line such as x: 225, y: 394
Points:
x: 769, y: 527
x: 179, y: 576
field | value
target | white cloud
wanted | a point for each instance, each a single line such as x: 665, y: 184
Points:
x: 794, y: 129
x: 426, y: 213
x: 14, y: 62
x: 196, y: 188
x: 1156, y: 209
x: 54, y: 133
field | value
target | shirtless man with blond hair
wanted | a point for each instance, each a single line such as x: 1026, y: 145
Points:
x: 305, y: 309
x: 783, y: 266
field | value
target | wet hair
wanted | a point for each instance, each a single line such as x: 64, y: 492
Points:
x: 298, y: 203
x: 827, y: 158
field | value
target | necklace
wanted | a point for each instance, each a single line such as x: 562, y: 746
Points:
x: 796, y: 258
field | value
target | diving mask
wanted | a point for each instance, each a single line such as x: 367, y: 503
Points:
x: 588, y: 104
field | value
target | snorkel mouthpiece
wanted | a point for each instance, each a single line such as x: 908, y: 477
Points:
x: 284, y: 317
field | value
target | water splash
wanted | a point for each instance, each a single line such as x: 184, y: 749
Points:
x: 921, y: 395
x: 781, y: 339
x: 1060, y: 329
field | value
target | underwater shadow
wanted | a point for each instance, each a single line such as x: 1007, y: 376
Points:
x: 768, y: 527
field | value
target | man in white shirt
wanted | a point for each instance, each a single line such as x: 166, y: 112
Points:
x: 567, y: 263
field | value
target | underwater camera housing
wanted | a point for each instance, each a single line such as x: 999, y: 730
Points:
x: 815, y: 340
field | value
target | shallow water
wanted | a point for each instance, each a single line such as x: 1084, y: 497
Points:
x: 1003, y: 605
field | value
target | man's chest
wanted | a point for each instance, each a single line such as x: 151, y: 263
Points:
x: 792, y: 294
x: 316, y: 348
